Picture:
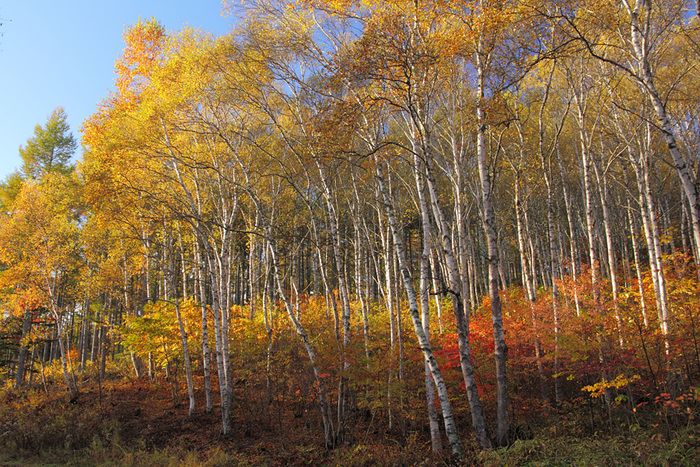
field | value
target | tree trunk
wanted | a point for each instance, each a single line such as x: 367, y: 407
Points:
x: 573, y: 253
x: 652, y: 234
x: 425, y: 308
x: 461, y: 317
x: 639, y: 35
x: 592, y: 235
x: 220, y: 336
x: 26, y: 326
x: 554, y: 265
x: 201, y: 274
x: 448, y: 419
x: 603, y: 193
x: 489, y: 225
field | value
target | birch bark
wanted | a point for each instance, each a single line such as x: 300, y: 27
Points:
x: 489, y: 226
x: 448, y: 418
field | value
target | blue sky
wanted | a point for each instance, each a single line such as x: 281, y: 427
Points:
x: 62, y: 53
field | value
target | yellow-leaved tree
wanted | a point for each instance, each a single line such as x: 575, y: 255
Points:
x: 39, y: 247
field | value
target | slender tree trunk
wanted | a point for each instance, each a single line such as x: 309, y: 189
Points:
x: 26, y: 326
x: 591, y: 233
x: 329, y: 434
x: 201, y: 274
x: 554, y: 265
x: 219, y: 338
x: 344, y: 296
x: 651, y: 229
x: 658, y: 268
x: 489, y: 225
x: 104, y: 347
x: 389, y: 300
x: 461, y: 317
x: 572, y: 234
x: 450, y: 426
x: 528, y: 283
x: 51, y: 288
x: 425, y: 308
x: 171, y: 296
x: 360, y: 266
x: 437, y: 287
x: 603, y: 193
x: 254, y: 269
x: 84, y: 336
x: 639, y: 35
x: 634, y: 232
x: 526, y: 266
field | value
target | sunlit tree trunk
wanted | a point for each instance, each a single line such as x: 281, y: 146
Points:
x: 329, y: 434
x: 171, y: 296
x: 201, y: 275
x: 58, y: 317
x: 612, y: 262
x: 385, y: 233
x: 450, y: 426
x: 343, y: 295
x: 254, y: 268
x: 554, y: 265
x: 573, y: 254
x: 219, y: 337
x: 640, y: 163
x: 634, y: 232
x: 525, y: 264
x: 489, y: 225
x: 361, y: 280
x: 640, y: 34
x: 425, y: 305
x: 461, y: 317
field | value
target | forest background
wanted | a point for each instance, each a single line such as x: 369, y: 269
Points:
x: 367, y: 232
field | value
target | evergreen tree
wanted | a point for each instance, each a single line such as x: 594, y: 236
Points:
x: 50, y: 149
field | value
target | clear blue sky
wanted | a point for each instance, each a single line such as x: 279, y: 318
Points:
x: 62, y: 53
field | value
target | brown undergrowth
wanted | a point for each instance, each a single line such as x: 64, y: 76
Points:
x: 135, y: 422
x: 128, y: 421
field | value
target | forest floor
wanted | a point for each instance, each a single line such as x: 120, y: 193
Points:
x: 128, y: 422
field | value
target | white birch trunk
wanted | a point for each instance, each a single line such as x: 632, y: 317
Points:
x: 450, y: 426
x: 205, y: 328
x: 489, y: 225
x: 634, y: 232
x: 425, y: 308
x: 603, y: 193
x: 461, y: 318
x: 641, y: 43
